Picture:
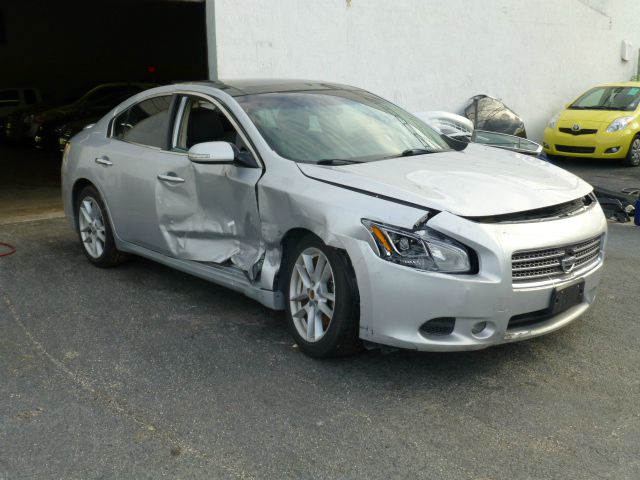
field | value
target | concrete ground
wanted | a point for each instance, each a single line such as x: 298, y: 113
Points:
x: 29, y: 184
x: 144, y: 372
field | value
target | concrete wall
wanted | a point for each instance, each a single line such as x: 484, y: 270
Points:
x: 536, y: 55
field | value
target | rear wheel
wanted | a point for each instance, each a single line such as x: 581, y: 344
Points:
x: 633, y: 156
x: 321, y: 300
x: 94, y: 230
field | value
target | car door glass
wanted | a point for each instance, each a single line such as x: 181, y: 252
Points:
x: 202, y: 121
x: 146, y: 123
x: 30, y: 96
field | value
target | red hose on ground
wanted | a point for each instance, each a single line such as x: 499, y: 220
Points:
x: 11, y: 248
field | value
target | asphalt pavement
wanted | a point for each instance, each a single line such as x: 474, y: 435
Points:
x: 144, y: 372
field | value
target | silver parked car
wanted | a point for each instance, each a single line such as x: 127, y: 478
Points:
x: 360, y: 221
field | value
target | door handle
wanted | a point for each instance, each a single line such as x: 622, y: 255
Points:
x: 170, y: 178
x: 104, y: 161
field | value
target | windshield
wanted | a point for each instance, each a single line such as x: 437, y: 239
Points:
x: 608, y: 98
x: 337, y: 125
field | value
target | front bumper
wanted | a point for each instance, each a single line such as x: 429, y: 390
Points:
x: 601, y: 143
x: 395, y: 301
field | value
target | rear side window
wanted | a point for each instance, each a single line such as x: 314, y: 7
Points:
x: 30, y: 96
x: 146, y: 122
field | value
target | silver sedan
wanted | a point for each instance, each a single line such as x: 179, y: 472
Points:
x: 361, y: 222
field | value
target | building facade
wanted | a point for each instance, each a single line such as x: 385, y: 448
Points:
x: 535, y: 55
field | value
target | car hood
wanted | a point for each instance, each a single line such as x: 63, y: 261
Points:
x: 479, y: 181
x: 58, y: 113
x: 602, y: 116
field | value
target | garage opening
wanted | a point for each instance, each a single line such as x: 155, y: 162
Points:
x: 67, y: 63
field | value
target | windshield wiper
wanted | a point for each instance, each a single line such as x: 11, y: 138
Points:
x: 412, y: 151
x: 599, y: 107
x: 416, y: 151
x: 335, y: 161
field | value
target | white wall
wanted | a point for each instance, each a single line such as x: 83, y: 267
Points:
x: 536, y: 55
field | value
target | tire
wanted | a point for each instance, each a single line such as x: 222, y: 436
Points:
x: 328, y: 336
x: 94, y: 230
x: 633, y: 155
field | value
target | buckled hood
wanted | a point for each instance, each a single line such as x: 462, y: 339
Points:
x: 479, y: 181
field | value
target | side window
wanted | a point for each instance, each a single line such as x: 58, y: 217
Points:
x: 29, y: 96
x: 146, y: 122
x: 201, y: 122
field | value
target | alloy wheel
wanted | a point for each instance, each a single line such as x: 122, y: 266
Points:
x: 312, y: 294
x: 635, y: 152
x: 92, y: 228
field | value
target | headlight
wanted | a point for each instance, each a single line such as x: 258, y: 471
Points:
x: 553, y: 121
x: 423, y: 249
x: 619, y: 124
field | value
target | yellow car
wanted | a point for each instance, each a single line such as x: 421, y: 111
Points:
x: 602, y: 123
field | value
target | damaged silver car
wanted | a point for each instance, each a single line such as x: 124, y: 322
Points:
x: 361, y: 222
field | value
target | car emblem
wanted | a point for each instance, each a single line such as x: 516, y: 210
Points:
x: 576, y: 127
x: 568, y: 262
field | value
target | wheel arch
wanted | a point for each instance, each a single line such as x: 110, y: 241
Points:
x: 289, y: 242
x: 78, y: 186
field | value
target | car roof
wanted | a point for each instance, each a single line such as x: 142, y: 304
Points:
x: 240, y: 87
x: 621, y: 84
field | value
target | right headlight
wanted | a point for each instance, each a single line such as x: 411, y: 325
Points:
x: 423, y: 248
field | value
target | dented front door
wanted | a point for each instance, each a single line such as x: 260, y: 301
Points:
x: 212, y: 216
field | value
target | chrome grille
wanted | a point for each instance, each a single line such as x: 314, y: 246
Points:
x: 547, y: 263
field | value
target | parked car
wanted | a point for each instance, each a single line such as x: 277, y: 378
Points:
x: 95, y: 103
x: 353, y: 216
x: 492, y: 115
x: 601, y: 123
x: 14, y: 99
x: 67, y: 130
x: 461, y: 128
x: 17, y: 126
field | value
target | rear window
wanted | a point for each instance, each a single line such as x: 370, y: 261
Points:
x: 9, y: 98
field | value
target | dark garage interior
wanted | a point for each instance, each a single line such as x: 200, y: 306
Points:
x: 64, y: 49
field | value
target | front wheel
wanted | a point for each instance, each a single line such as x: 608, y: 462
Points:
x: 633, y: 156
x: 321, y: 300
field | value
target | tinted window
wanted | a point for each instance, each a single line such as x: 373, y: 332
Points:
x: 337, y: 124
x: 203, y: 122
x: 30, y: 96
x: 146, y: 122
x: 9, y: 98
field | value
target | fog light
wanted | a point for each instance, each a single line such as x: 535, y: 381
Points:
x: 483, y: 330
x: 438, y: 326
x: 478, y: 327
x: 545, y: 144
x: 612, y: 150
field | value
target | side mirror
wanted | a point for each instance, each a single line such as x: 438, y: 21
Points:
x: 212, y: 152
x: 221, y: 152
